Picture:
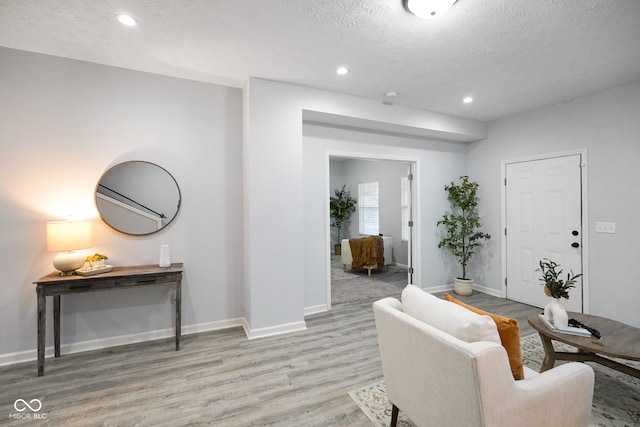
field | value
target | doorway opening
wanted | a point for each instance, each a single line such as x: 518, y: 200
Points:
x: 394, y: 181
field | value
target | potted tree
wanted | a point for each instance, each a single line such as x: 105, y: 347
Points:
x: 461, y: 228
x: 341, y: 206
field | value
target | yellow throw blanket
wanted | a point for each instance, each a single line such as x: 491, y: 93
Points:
x: 367, y: 251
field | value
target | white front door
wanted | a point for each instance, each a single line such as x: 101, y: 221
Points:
x: 543, y: 220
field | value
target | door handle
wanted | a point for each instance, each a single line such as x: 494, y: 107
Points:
x: 575, y: 245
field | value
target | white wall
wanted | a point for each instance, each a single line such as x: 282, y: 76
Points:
x: 607, y: 124
x: 62, y: 124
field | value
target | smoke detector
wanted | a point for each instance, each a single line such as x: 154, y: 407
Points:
x: 389, y: 97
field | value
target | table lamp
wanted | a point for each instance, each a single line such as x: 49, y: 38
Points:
x: 66, y: 237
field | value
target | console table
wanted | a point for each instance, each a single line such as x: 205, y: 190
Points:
x: 118, y: 278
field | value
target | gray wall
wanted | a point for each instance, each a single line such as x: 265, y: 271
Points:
x: 62, y: 124
x: 607, y: 125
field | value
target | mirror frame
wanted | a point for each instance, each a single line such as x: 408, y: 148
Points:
x: 110, y: 170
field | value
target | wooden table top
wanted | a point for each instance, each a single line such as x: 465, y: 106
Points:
x: 115, y: 272
x: 618, y: 339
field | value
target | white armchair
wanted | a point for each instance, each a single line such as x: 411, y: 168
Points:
x: 436, y: 379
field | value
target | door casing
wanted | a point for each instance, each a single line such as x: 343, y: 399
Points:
x: 584, y: 219
x: 415, y: 240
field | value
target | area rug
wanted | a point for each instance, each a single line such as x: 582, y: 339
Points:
x: 350, y: 285
x: 616, y: 396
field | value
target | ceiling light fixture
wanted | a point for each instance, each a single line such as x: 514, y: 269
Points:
x: 428, y: 9
x: 127, y: 20
x: 468, y: 100
x: 342, y: 71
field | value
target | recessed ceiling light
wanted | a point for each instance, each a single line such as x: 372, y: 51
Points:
x: 127, y: 20
x: 342, y: 71
x: 468, y: 100
x: 428, y: 9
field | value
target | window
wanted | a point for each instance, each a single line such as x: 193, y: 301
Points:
x: 368, y: 209
x: 405, y: 194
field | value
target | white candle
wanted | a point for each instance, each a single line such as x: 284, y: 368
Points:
x: 165, y: 258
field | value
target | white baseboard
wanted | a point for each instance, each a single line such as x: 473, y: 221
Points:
x: 476, y: 287
x: 213, y: 326
x: 315, y: 309
x: 22, y: 356
x: 77, y: 347
x: 436, y: 289
x: 487, y: 290
x: 273, y: 330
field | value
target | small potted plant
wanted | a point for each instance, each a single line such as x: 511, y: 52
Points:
x: 556, y: 288
x: 461, y: 228
x: 341, y: 206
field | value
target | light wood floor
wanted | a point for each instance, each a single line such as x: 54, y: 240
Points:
x: 219, y: 378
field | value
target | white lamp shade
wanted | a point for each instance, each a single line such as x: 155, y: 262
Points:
x: 428, y: 9
x: 69, y: 235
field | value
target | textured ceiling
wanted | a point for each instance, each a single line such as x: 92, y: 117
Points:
x: 510, y: 55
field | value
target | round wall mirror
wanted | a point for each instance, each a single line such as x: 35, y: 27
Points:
x: 137, y: 198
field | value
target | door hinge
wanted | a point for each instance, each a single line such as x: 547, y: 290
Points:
x: 410, y: 270
x: 505, y: 182
x: 505, y: 231
x: 410, y: 223
x: 505, y: 282
x: 410, y: 177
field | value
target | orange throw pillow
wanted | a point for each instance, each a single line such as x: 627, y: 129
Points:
x: 509, y: 332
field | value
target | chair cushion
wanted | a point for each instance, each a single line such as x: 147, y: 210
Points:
x: 509, y: 331
x: 448, y: 317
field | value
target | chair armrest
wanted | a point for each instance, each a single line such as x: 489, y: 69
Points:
x: 390, y: 302
x: 560, y: 396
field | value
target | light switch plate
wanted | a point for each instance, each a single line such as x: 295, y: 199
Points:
x: 605, y: 227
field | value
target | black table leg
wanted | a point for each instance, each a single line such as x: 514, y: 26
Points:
x: 178, y: 312
x: 56, y: 324
x: 42, y: 311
